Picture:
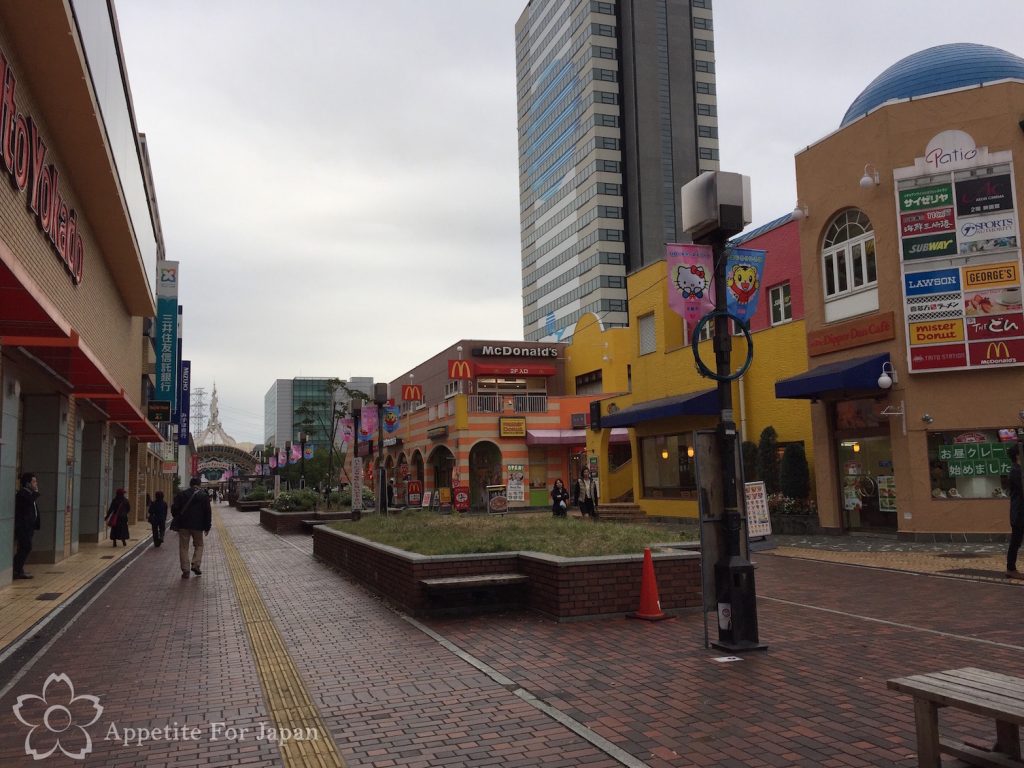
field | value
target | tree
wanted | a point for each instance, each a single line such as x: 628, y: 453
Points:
x: 794, y: 475
x: 325, y: 415
x: 768, y: 459
x: 749, y: 452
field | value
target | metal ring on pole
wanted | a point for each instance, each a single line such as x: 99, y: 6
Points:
x: 703, y: 369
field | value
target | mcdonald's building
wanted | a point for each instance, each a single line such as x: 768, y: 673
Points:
x: 910, y: 248
x: 78, y: 254
x: 484, y: 413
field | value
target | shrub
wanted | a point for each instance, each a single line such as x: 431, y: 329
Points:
x: 780, y: 504
x: 295, y: 501
x: 768, y: 460
x: 794, y: 476
x: 749, y: 453
x: 344, y: 497
x: 259, y: 493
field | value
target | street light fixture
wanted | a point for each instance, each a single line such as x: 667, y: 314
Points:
x: 380, y: 399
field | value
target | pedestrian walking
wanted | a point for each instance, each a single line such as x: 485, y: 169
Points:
x: 1016, y: 513
x: 156, y: 513
x: 26, y: 522
x: 559, y: 499
x: 117, y: 517
x: 192, y: 518
x: 584, y: 494
x: 391, y: 494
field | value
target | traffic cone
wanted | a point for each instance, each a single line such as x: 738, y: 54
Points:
x: 650, y: 605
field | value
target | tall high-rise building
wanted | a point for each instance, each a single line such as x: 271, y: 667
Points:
x: 617, y: 111
x: 302, y: 405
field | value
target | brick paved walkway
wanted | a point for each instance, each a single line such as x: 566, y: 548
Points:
x: 514, y: 690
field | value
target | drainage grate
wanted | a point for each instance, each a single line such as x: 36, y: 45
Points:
x: 48, y: 595
x: 962, y: 555
x: 976, y: 572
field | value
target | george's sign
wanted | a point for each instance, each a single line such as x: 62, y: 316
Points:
x: 24, y: 157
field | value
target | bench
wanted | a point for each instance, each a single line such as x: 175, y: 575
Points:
x: 989, y: 694
x: 472, y: 582
x: 457, y: 595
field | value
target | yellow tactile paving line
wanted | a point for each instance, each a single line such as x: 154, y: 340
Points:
x: 917, y: 562
x: 20, y: 607
x: 287, y: 698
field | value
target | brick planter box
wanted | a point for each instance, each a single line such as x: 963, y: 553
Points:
x: 559, y: 587
x: 292, y: 522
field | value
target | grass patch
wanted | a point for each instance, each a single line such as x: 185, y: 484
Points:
x: 428, y: 533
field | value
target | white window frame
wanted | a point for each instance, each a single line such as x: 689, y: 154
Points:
x: 647, y: 334
x: 839, y: 246
x: 781, y: 294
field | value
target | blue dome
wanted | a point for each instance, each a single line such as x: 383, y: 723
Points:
x: 932, y: 70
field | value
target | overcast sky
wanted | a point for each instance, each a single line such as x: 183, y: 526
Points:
x: 338, y: 178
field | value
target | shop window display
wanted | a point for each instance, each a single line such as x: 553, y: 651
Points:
x: 667, y: 468
x: 970, y: 464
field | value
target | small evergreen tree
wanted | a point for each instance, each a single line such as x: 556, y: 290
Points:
x: 794, y: 475
x: 768, y: 460
x: 749, y: 453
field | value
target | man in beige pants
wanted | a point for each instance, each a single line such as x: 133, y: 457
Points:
x: 192, y: 518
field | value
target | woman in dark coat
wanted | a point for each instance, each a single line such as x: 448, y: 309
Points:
x: 117, y: 518
x: 559, y: 499
x: 157, y: 516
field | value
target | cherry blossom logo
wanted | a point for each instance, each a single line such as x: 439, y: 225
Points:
x: 57, y: 720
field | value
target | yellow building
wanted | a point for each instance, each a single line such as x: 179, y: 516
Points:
x: 649, y: 382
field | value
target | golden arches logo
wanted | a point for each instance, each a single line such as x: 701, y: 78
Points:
x: 997, y: 350
x: 412, y: 393
x: 460, y: 369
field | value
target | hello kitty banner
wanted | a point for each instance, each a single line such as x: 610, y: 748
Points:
x: 690, y: 269
x: 743, y: 270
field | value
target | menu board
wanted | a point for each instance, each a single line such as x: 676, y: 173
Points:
x: 759, y: 523
x: 886, y: 492
x: 961, y: 263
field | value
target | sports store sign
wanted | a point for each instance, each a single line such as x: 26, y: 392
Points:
x: 961, y: 261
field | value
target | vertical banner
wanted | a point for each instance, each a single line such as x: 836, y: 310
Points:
x: 346, y: 427
x: 282, y: 457
x: 166, y: 332
x: 743, y: 270
x: 184, y: 398
x: 308, y: 452
x: 391, y: 418
x: 178, y: 357
x: 296, y: 454
x: 690, y: 269
x: 272, y: 461
x: 367, y: 423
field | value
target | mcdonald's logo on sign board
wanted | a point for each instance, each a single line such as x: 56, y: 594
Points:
x: 412, y: 393
x: 1008, y: 352
x: 460, y: 369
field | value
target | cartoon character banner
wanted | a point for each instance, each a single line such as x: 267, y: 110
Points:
x: 296, y: 454
x: 743, y: 270
x: 308, y: 452
x: 367, y: 423
x: 346, y: 427
x: 273, y: 462
x: 690, y: 269
x: 391, y: 417
x: 282, y: 457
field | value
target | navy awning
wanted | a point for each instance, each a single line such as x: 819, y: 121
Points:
x: 703, y: 403
x: 857, y: 374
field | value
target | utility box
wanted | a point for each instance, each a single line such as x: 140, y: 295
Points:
x: 715, y: 202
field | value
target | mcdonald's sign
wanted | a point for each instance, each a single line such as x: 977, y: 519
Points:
x: 412, y: 393
x: 997, y: 352
x: 460, y: 369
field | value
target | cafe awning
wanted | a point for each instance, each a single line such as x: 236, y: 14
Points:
x: 858, y: 374
x: 703, y: 403
x: 569, y: 436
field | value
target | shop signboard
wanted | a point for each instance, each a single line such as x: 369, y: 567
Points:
x: 965, y: 314
x: 428, y: 498
x: 759, y: 523
x: 166, y: 330
x: 415, y: 493
x: 512, y: 426
x: 461, y: 498
x: 854, y: 333
x: 497, y: 501
x: 975, y: 459
x: 158, y: 410
x: 886, y: 492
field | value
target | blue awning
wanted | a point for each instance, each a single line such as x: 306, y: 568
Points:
x: 703, y: 403
x: 855, y: 375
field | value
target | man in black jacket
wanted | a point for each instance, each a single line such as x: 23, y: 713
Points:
x: 192, y: 518
x: 26, y: 521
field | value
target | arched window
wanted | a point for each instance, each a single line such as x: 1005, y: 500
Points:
x: 848, y: 255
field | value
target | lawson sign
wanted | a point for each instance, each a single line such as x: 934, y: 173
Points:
x: 934, y: 281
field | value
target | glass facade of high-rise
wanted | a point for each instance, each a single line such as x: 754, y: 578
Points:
x: 303, y: 405
x: 617, y: 110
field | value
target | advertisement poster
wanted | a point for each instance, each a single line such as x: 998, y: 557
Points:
x: 690, y: 270
x: 367, y: 423
x: 743, y: 270
x: 759, y: 522
x: 516, y: 483
x: 886, y: 492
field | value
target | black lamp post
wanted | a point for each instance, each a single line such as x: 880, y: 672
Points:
x: 380, y: 399
x: 302, y: 459
x: 357, y: 504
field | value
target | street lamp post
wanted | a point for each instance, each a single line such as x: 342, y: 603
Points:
x: 714, y: 207
x: 302, y: 459
x: 380, y: 399
x: 355, y: 487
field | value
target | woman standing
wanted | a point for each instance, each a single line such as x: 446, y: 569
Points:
x: 117, y: 518
x: 584, y: 494
x: 559, y: 499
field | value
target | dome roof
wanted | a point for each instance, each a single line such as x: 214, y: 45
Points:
x: 937, y: 69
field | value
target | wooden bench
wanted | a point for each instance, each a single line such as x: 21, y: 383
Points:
x: 477, y: 581
x: 989, y: 694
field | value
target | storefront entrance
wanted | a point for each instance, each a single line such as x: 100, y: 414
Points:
x: 867, y: 485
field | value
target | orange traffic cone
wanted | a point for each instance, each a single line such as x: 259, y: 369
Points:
x: 650, y: 605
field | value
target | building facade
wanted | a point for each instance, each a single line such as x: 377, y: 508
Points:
x: 912, y: 264
x: 293, y: 407
x: 78, y: 255
x: 617, y: 110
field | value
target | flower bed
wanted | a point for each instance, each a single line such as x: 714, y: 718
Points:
x: 559, y: 587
